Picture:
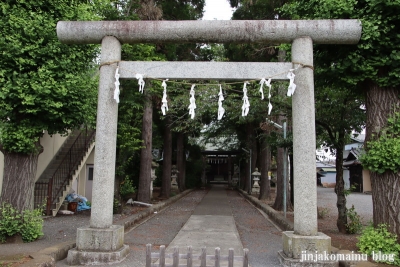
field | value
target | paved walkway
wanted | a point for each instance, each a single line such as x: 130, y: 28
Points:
x: 211, y: 225
x: 217, y: 218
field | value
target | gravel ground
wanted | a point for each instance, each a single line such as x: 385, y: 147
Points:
x: 363, y: 206
x: 61, y: 228
x: 362, y: 202
x: 256, y: 232
x: 158, y: 230
x: 326, y: 199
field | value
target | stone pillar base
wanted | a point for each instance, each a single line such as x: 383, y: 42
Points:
x: 295, y: 246
x: 300, y: 250
x: 76, y: 257
x: 256, y: 190
x: 98, y: 246
x: 174, y: 186
x: 290, y: 262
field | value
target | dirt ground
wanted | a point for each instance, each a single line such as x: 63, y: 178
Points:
x: 327, y: 225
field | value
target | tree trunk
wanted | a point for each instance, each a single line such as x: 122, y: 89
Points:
x: 380, y: 104
x: 246, y: 175
x: 183, y: 177
x: 339, y: 188
x: 145, y: 153
x: 19, y: 180
x: 179, y: 160
x: 249, y: 141
x: 265, y: 163
x: 278, y: 204
x: 242, y: 174
x: 254, y: 156
x: 167, y: 160
x: 386, y: 201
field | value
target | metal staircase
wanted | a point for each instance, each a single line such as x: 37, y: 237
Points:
x: 56, y: 181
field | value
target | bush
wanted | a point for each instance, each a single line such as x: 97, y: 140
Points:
x: 379, y: 240
x: 322, y: 212
x: 10, y: 223
x: 116, y: 206
x: 126, y: 187
x: 29, y: 223
x: 32, y: 225
x: 354, y: 225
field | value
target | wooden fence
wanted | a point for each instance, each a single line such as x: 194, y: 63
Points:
x: 192, y: 260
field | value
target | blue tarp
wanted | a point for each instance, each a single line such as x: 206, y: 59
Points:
x: 80, y: 199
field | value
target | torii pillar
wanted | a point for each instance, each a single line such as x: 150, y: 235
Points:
x: 102, y: 242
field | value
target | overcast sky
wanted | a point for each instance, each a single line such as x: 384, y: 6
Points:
x: 217, y: 9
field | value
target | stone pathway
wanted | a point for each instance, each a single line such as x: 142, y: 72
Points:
x: 211, y: 225
x: 219, y: 217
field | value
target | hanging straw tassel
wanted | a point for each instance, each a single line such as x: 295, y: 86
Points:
x: 268, y: 83
x: 141, y: 82
x: 262, y: 82
x: 246, y: 103
x: 116, y: 90
x: 221, y: 110
x: 192, y: 100
x: 292, y: 86
x: 164, y: 106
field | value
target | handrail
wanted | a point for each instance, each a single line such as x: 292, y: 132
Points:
x: 73, y: 155
x: 67, y: 166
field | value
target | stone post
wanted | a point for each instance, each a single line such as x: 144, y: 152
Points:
x: 106, y: 132
x: 102, y: 242
x: 154, y: 166
x: 174, y: 175
x: 305, y: 210
x: 305, y: 238
x: 256, y: 178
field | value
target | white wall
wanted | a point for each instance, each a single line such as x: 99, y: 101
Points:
x: 330, y: 177
x: 51, y: 145
x: 366, y: 181
x: 81, y: 185
x: 346, y: 178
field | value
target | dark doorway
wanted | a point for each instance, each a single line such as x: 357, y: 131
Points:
x: 219, y: 165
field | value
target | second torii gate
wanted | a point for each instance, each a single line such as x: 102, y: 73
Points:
x: 103, y: 242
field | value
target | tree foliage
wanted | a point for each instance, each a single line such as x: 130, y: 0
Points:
x: 384, y: 150
x: 45, y: 85
x: 376, y: 57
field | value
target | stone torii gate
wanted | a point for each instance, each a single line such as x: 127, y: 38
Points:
x: 103, y: 242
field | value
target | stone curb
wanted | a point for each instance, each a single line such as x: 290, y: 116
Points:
x: 131, y: 220
x: 49, y: 256
x: 275, y: 216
